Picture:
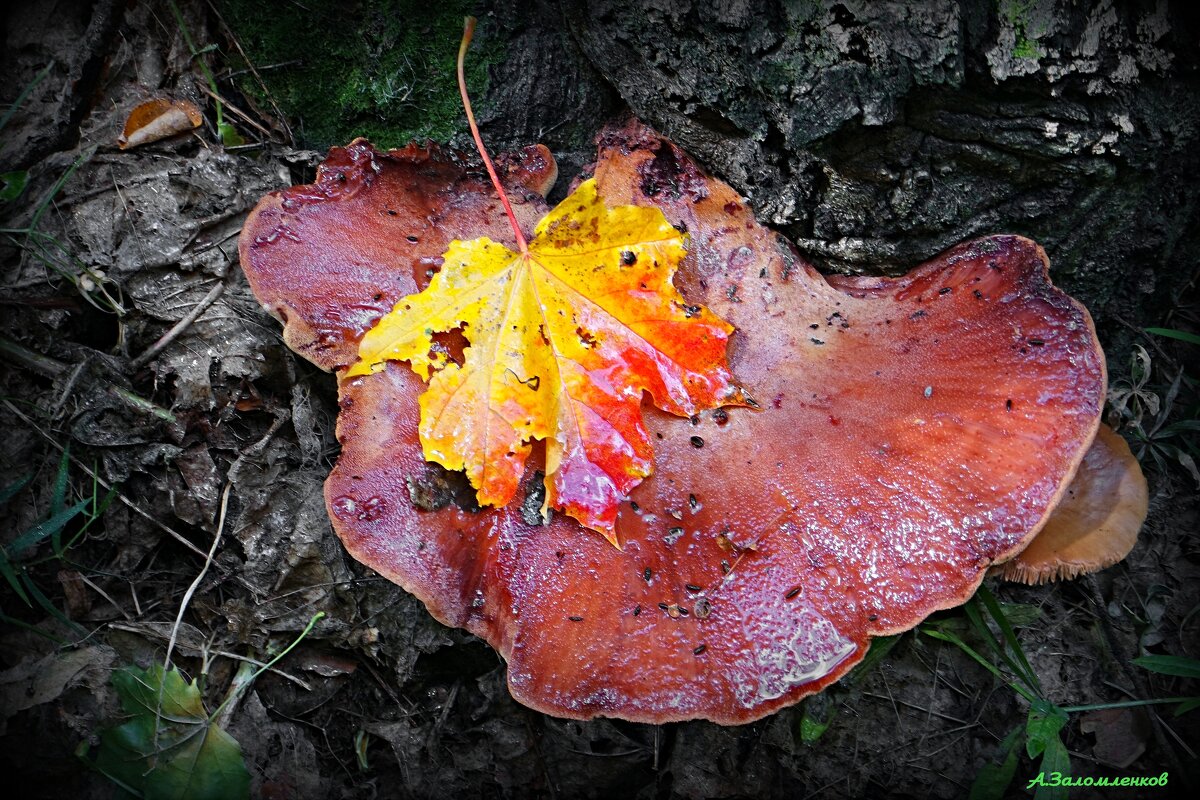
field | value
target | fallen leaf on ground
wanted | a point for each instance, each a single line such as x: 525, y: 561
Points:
x: 170, y: 748
x: 35, y: 681
x: 1121, y: 735
x: 564, y: 339
x: 158, y: 119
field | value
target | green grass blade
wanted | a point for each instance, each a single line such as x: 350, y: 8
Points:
x: 1026, y: 672
x: 84, y: 157
x: 99, y: 506
x: 10, y: 491
x: 1171, y: 333
x: 8, y: 115
x: 102, y: 506
x: 49, y: 607
x: 972, y: 611
x: 317, y: 617
x: 34, y: 629
x: 10, y: 575
x: 1188, y: 705
x: 878, y: 650
x: 1154, y: 701
x: 58, y: 498
x: 48, y: 528
x: 983, y: 662
x: 1179, y: 666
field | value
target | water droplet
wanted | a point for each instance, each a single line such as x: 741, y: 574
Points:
x: 344, y: 506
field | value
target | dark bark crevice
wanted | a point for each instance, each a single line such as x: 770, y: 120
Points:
x: 878, y: 134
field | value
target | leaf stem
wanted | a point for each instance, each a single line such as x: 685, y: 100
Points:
x: 468, y: 32
x: 240, y: 683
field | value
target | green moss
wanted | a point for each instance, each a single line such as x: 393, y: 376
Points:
x: 384, y: 69
x: 1019, y: 14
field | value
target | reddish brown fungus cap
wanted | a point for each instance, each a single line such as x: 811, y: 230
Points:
x: 910, y: 433
x: 1096, y: 523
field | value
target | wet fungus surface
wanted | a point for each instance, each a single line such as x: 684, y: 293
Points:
x: 906, y: 435
x: 331, y: 258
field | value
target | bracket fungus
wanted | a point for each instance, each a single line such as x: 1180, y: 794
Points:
x: 1096, y: 522
x: 908, y: 434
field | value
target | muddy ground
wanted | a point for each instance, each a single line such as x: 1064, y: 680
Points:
x: 133, y: 349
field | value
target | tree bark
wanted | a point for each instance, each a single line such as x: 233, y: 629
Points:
x: 876, y: 135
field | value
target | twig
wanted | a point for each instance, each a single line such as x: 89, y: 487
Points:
x: 88, y: 194
x: 206, y: 246
x: 237, y: 73
x: 43, y: 365
x: 187, y: 596
x: 105, y: 595
x: 1116, y: 647
x: 241, y: 679
x: 200, y: 225
x: 179, y: 327
x: 139, y: 403
x: 435, y: 731
x: 68, y: 386
x: 29, y: 87
x: 237, y: 111
x: 249, y: 451
x: 240, y: 685
x: 143, y: 630
x: 916, y: 707
x: 53, y: 368
x: 280, y: 118
x: 1152, y: 339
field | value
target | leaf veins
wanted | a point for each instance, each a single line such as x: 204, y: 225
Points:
x: 564, y: 340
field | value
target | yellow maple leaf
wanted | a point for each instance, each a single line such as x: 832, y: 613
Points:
x: 564, y: 339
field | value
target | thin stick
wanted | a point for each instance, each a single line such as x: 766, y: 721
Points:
x: 179, y: 327
x: 236, y: 111
x: 240, y: 686
x: 143, y: 630
x: 105, y: 595
x: 468, y: 32
x: 279, y: 115
x: 187, y: 596
x: 42, y: 365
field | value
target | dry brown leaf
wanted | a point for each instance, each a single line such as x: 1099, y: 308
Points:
x: 158, y: 119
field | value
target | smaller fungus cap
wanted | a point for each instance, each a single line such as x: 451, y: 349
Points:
x: 1096, y: 523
